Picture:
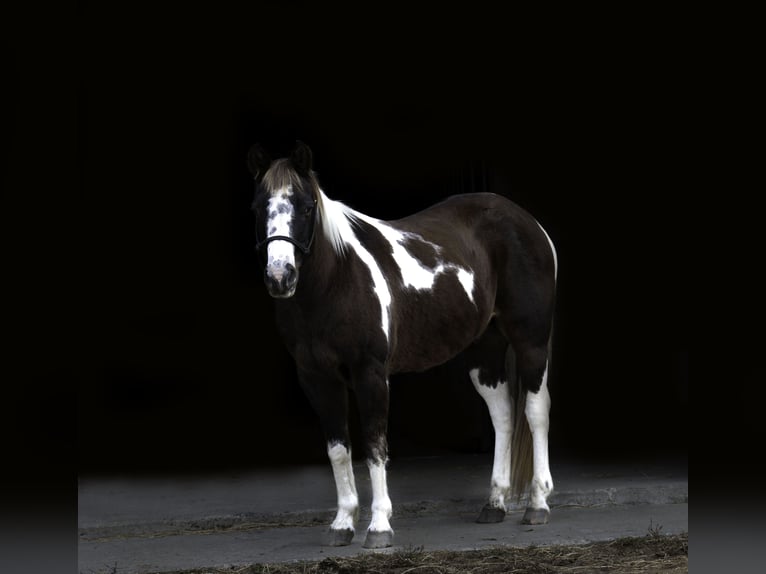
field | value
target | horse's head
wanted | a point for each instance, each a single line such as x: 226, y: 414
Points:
x: 286, y: 192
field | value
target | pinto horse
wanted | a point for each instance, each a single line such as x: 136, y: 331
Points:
x: 358, y: 299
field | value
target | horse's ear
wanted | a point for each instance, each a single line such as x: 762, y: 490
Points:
x: 258, y: 160
x: 301, y: 158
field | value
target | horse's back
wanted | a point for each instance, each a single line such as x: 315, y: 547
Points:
x: 476, y: 225
x: 486, y: 215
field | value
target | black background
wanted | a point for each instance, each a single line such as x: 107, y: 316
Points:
x: 156, y: 327
x: 138, y: 333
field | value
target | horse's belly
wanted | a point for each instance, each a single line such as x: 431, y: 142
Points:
x: 427, y: 334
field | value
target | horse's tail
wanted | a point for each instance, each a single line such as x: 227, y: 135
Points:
x: 521, y: 448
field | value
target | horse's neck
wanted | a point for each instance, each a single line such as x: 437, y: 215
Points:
x: 319, y: 273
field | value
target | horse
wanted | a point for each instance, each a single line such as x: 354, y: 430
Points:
x: 358, y: 299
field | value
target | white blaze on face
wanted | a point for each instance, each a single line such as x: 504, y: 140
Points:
x: 279, y: 222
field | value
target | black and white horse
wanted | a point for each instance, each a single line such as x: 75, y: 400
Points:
x: 359, y: 299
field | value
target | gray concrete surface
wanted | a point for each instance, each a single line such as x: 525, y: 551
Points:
x: 164, y: 524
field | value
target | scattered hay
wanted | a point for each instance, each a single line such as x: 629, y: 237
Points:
x: 653, y: 553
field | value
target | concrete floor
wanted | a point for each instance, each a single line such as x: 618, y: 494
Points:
x: 171, y: 523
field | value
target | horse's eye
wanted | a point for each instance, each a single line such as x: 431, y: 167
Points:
x: 307, y: 210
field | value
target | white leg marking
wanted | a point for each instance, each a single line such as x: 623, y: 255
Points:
x: 537, y: 408
x: 348, y: 501
x: 498, y: 401
x: 381, y: 503
x: 280, y: 216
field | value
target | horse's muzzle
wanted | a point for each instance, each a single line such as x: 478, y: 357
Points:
x: 281, y: 281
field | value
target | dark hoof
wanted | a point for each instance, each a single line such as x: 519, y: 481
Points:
x: 490, y: 514
x: 535, y: 516
x: 379, y: 539
x: 339, y: 537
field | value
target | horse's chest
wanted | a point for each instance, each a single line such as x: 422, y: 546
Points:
x: 326, y: 343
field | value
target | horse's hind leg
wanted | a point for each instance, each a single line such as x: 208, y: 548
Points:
x: 487, y: 369
x: 526, y: 317
x: 532, y: 367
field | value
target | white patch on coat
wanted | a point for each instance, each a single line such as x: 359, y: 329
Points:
x: 280, y: 215
x: 466, y: 280
x: 348, y: 500
x: 500, y: 408
x: 553, y: 250
x: 537, y: 409
x: 381, y: 503
x: 336, y: 225
x: 414, y: 274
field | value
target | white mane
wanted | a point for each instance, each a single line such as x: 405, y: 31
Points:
x: 336, y: 219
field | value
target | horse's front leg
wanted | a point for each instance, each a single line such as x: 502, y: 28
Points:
x: 329, y: 399
x: 343, y: 527
x: 371, y: 389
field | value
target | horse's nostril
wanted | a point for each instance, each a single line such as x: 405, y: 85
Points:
x: 280, y: 279
x: 290, y: 276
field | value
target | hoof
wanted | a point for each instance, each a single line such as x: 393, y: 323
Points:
x: 382, y: 539
x: 490, y: 514
x: 535, y: 516
x: 339, y: 537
